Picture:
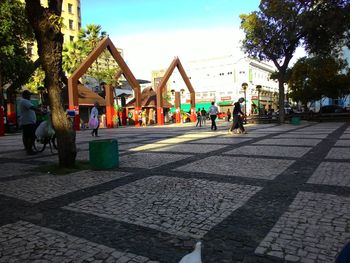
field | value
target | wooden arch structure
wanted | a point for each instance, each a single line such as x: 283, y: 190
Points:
x: 160, y: 89
x: 73, y: 82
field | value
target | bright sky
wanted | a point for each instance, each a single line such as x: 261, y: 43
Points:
x: 153, y: 32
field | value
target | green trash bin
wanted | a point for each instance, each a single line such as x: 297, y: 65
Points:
x: 296, y: 120
x: 104, y: 154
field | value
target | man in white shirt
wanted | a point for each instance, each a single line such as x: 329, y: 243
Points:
x: 213, y: 112
x: 28, y: 121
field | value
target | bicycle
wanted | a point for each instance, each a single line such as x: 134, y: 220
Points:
x: 41, y: 143
x: 45, y: 135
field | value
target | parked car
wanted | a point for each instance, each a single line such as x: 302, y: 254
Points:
x: 332, y: 109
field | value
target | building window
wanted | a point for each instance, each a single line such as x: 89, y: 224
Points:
x: 71, y: 38
x: 78, y: 10
x: 70, y: 8
x: 79, y: 25
x: 71, y: 24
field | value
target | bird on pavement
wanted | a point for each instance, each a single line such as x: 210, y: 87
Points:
x: 194, y: 256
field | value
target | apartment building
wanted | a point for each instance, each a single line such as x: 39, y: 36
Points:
x: 220, y: 79
x: 71, y: 15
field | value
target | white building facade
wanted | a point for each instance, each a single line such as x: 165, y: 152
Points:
x: 220, y: 80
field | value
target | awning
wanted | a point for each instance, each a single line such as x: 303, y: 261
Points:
x: 123, y: 92
x: 186, y: 107
x: 225, y: 103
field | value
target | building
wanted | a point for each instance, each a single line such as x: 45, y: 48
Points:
x: 71, y: 15
x: 220, y: 79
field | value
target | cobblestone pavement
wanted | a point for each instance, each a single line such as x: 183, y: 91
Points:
x: 280, y: 193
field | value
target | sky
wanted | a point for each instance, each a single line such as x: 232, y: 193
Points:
x: 152, y: 32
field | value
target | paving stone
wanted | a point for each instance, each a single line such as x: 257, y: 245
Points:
x: 149, y: 160
x: 230, y: 213
x: 222, y: 140
x: 338, y: 153
x: 169, y: 204
x: 54, y: 246
x: 331, y: 173
x: 238, y: 166
x: 277, y: 151
x: 311, y: 208
x: 302, y: 135
x: 290, y: 142
x: 42, y: 187
x: 343, y: 143
x: 345, y: 136
x: 190, y: 148
x: 21, y: 169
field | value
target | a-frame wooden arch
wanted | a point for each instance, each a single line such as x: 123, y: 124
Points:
x: 160, y: 89
x: 73, y: 81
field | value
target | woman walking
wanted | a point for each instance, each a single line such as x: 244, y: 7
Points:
x: 94, y: 122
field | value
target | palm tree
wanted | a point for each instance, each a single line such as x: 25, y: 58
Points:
x: 91, y: 36
x: 72, y: 55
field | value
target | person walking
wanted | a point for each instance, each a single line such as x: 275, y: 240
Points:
x: 144, y: 118
x: 199, y: 118
x: 28, y: 121
x: 94, y: 122
x: 237, y: 117
x: 213, y: 113
x: 204, y: 116
x: 228, y: 113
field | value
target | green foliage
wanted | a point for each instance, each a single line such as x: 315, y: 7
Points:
x: 91, y: 36
x: 57, y: 22
x: 36, y: 81
x: 317, y: 77
x: 274, y: 32
x: 15, y: 65
x: 118, y: 108
x: 167, y: 97
x: 74, y: 54
x: 325, y: 27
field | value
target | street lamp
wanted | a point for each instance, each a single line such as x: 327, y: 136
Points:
x: 258, y: 88
x: 244, y: 87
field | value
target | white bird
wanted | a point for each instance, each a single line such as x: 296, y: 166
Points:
x: 194, y: 256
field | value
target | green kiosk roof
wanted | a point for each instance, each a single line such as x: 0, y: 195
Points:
x: 186, y: 107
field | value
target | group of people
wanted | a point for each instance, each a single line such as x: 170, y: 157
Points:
x: 201, y: 117
x: 32, y: 129
x: 238, y: 116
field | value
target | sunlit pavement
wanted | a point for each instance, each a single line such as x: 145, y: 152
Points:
x: 280, y: 193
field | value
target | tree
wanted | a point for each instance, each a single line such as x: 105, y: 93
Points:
x: 47, y: 23
x: 280, y: 26
x: 326, y: 27
x: 90, y: 37
x: 274, y: 33
x: 317, y: 77
x: 15, y: 64
x: 36, y: 80
x: 73, y: 54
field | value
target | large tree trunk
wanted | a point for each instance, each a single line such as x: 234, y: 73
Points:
x: 50, y: 41
x: 281, y: 101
